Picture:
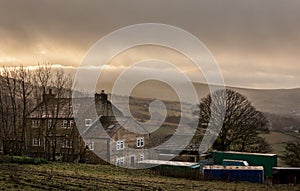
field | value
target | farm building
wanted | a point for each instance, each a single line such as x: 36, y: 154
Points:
x: 253, y: 174
x: 286, y: 175
x: 190, y: 170
x: 268, y: 161
x: 52, y: 132
x: 110, y: 140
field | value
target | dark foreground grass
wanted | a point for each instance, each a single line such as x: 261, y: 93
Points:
x: 62, y: 176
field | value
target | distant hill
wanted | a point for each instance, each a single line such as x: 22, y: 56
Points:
x: 282, y: 106
x: 276, y: 101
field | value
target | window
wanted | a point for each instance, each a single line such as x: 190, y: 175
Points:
x: 66, y: 143
x: 76, y: 108
x: 50, y: 123
x: 140, y: 141
x: 36, y: 142
x: 141, y: 157
x: 88, y: 122
x: 66, y: 124
x: 120, y: 145
x: 35, y: 123
x: 90, y: 145
x: 120, y: 161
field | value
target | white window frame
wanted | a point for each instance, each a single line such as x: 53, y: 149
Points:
x: 120, y: 145
x: 36, y: 142
x: 35, y: 123
x: 142, y: 157
x: 140, y: 142
x: 120, y: 161
x: 88, y: 122
x: 66, y: 143
x: 66, y: 124
x: 90, y: 145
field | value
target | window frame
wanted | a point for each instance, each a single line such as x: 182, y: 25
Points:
x: 142, y: 157
x: 86, y: 123
x: 120, y: 145
x: 140, y: 142
x: 120, y: 161
x: 36, y: 142
x: 90, y: 145
x: 50, y: 123
x: 66, y: 124
x: 35, y: 123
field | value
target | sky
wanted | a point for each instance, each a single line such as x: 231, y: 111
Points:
x: 255, y: 42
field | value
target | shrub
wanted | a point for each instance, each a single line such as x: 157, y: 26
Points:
x: 22, y: 160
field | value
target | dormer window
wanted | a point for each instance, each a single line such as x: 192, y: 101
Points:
x: 88, y: 122
x: 140, y: 141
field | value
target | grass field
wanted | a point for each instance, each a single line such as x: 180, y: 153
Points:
x: 278, y: 140
x: 62, y: 176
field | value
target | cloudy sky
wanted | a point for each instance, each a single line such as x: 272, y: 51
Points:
x: 255, y: 42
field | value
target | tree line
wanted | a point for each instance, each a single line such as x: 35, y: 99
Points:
x: 21, y: 91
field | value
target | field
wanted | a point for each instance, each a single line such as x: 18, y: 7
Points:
x: 62, y: 176
x: 278, y: 140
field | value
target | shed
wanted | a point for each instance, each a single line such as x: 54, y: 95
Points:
x: 286, y: 175
x: 253, y: 174
x: 190, y: 170
x: 268, y: 161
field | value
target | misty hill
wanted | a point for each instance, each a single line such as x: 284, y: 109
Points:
x: 282, y: 106
x: 276, y: 101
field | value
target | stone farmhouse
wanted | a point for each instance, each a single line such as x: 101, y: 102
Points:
x: 54, y: 135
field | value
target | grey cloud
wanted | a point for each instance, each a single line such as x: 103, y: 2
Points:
x: 264, y: 34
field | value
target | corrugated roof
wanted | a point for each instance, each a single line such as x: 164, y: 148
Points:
x: 286, y: 168
x: 245, y: 153
x: 233, y: 167
x: 170, y: 163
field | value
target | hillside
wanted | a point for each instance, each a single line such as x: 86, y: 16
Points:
x: 282, y: 106
x: 61, y: 176
x: 276, y: 101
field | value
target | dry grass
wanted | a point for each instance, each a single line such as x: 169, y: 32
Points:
x: 59, y: 176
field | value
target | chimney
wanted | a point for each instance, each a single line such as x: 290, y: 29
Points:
x: 103, y: 96
x: 101, y: 103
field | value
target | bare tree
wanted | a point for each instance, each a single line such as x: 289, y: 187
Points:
x: 41, y: 80
x: 25, y: 96
x: 10, y: 87
x: 15, y: 95
x: 241, y: 125
x: 62, y: 84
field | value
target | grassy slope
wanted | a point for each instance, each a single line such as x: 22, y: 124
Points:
x: 60, y: 176
x: 278, y: 140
